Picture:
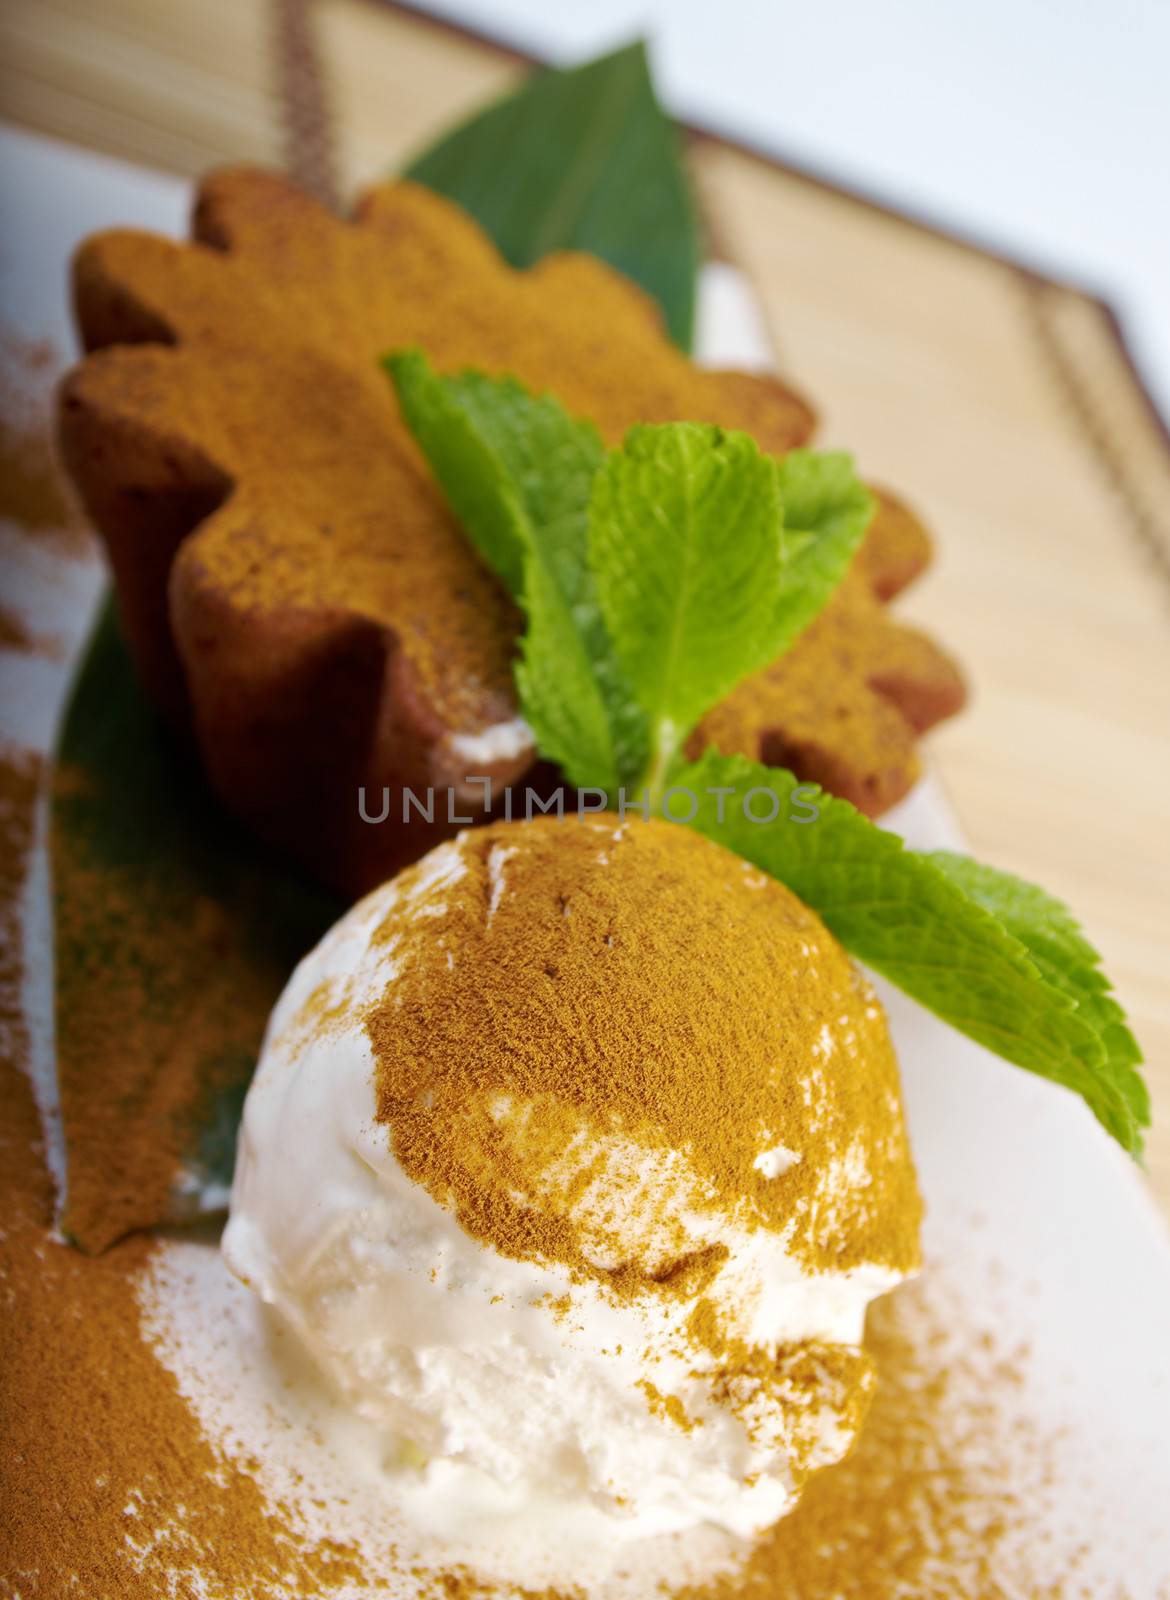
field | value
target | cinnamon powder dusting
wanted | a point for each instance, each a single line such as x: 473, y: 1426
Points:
x: 141, y: 948
x: 943, y: 1496
x: 595, y: 1040
x: 108, y: 1487
x: 588, y: 1010
x: 34, y: 494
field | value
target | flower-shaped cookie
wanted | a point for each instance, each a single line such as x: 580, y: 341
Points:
x: 291, y: 584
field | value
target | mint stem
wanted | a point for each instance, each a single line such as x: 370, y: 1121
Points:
x: 668, y: 737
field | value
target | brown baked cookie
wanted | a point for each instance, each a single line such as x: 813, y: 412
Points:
x: 842, y: 709
x: 292, y: 585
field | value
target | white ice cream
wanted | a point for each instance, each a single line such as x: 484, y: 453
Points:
x: 501, y: 1382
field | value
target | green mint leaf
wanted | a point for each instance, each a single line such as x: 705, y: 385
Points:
x: 1009, y: 970
x: 477, y: 486
x: 675, y: 550
x: 561, y: 694
x: 582, y: 159
x: 1053, y: 939
x: 827, y: 509
x: 656, y: 578
x: 685, y: 542
x: 517, y: 471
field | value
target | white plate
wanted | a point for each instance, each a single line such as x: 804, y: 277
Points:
x: 1037, y: 1222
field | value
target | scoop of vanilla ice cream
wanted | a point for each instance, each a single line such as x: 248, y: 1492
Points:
x: 651, y: 1330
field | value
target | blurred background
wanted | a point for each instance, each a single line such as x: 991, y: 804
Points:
x: 1038, y: 127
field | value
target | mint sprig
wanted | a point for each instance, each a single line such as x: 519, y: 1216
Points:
x: 653, y: 579
x: 827, y: 509
x: 518, y: 472
x: 996, y: 958
x: 685, y: 537
x: 1059, y: 950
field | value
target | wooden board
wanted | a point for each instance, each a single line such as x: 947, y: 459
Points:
x: 1004, y: 405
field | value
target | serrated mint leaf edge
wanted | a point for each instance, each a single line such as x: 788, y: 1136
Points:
x: 1066, y: 959
x: 816, y: 551
x: 830, y: 884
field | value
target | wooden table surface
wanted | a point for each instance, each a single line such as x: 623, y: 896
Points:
x: 1002, y: 404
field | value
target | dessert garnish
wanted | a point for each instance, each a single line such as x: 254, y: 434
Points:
x: 655, y: 576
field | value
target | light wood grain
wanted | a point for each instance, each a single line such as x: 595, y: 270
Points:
x: 176, y: 86
x: 925, y: 361
x: 932, y: 362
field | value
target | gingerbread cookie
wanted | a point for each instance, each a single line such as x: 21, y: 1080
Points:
x: 292, y: 586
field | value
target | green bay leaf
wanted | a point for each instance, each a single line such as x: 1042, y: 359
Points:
x: 580, y: 159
